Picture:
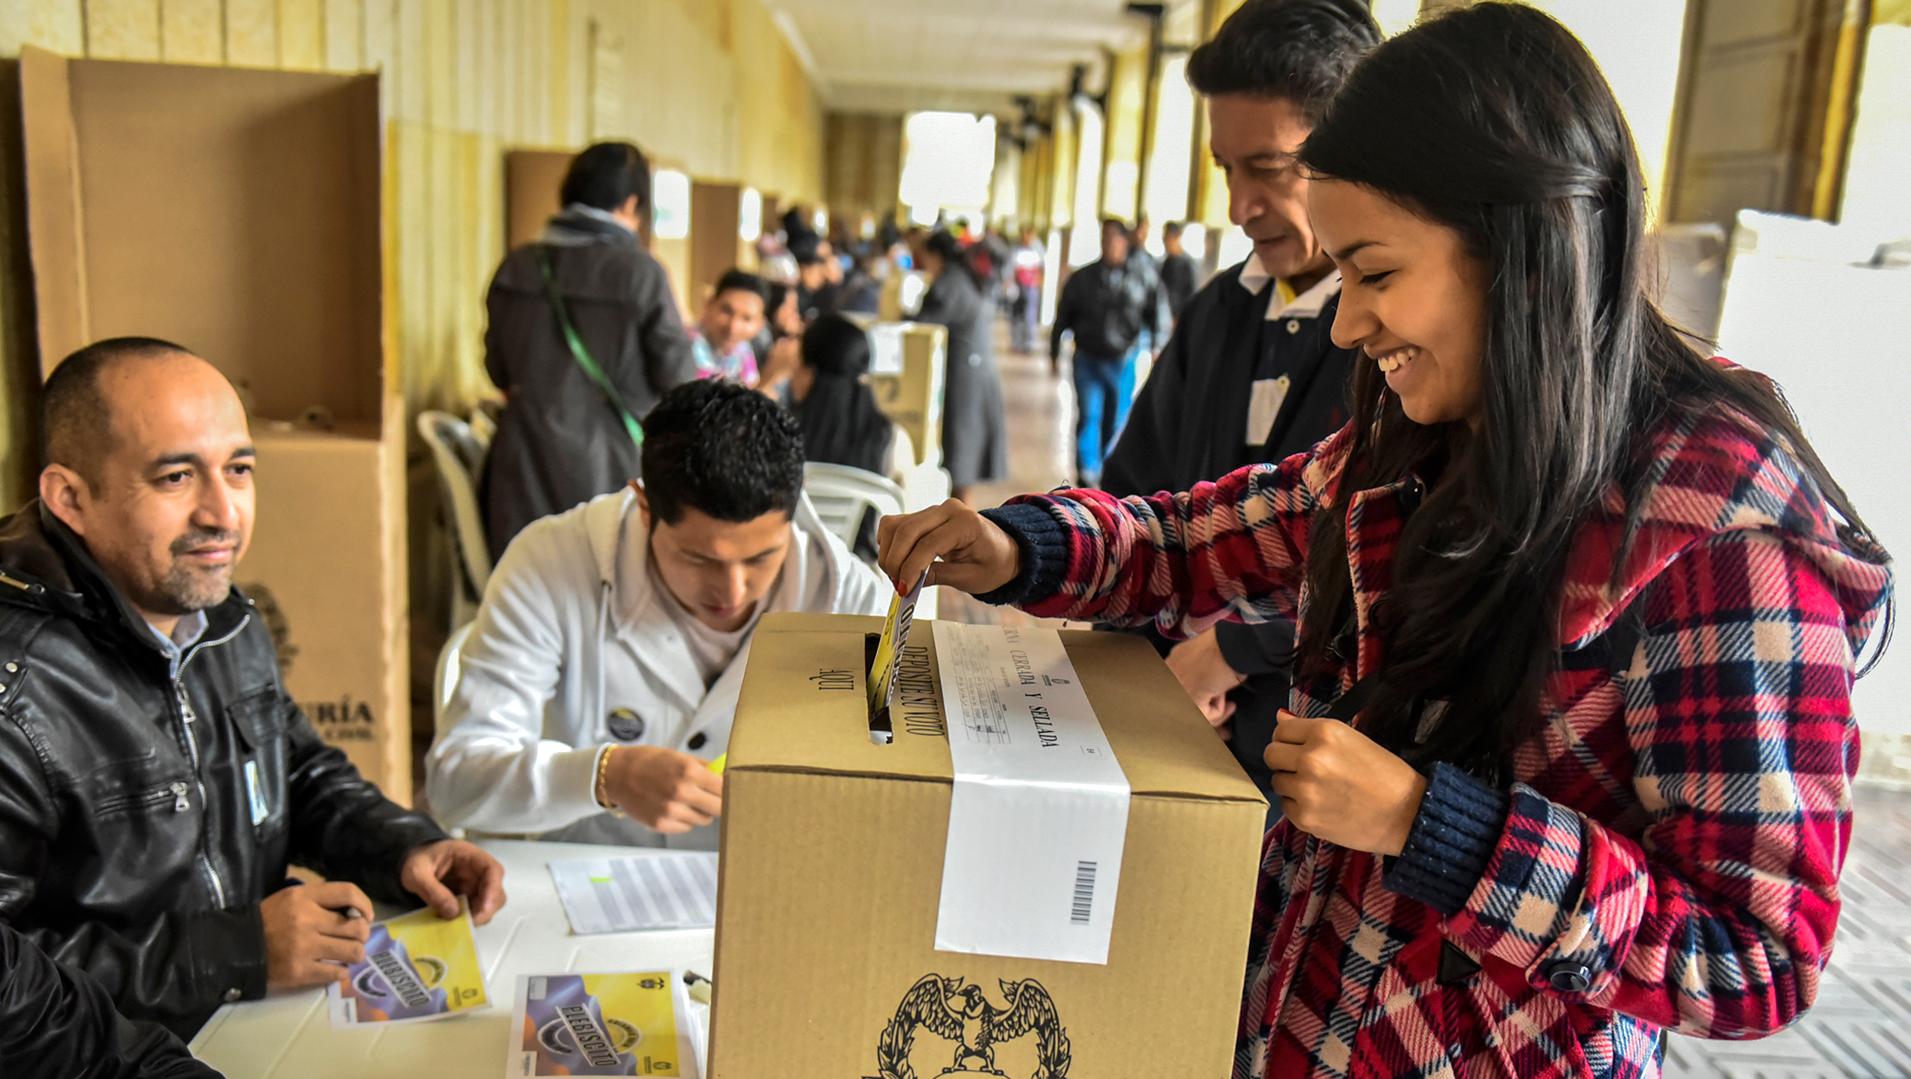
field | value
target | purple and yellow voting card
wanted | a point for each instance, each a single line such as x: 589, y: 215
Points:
x: 417, y: 966
x: 602, y: 1024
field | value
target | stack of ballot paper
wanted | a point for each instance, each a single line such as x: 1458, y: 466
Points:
x: 618, y: 895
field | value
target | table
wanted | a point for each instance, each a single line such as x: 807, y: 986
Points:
x: 289, y: 1035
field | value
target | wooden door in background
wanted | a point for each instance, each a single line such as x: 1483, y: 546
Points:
x: 1764, y: 115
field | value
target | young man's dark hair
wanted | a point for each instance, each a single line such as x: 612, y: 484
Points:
x: 1116, y: 223
x: 722, y: 449
x: 73, y: 413
x: 607, y: 174
x: 743, y: 281
x: 1302, y: 50
x: 1170, y: 230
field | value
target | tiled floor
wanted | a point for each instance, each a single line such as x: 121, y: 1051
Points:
x: 1861, y: 1025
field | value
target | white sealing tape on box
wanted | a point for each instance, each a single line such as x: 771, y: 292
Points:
x: 1039, y: 813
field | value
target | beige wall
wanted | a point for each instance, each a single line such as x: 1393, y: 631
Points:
x: 707, y: 83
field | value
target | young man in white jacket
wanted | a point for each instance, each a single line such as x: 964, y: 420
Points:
x: 601, y: 675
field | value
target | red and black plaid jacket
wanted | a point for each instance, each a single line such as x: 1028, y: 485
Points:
x: 1667, y: 854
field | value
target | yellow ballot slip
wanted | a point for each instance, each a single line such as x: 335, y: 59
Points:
x: 417, y: 966
x: 889, y: 646
x: 603, y: 1024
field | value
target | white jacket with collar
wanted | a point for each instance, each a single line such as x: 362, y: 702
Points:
x: 563, y: 638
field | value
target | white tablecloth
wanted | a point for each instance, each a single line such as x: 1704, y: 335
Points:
x: 289, y: 1035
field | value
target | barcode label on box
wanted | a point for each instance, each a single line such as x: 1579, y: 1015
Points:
x: 1084, y: 904
x: 1038, y: 814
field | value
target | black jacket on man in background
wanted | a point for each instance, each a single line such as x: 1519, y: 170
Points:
x: 559, y: 441
x: 1190, y: 422
x: 1180, y: 277
x: 1107, y: 306
x: 145, y: 812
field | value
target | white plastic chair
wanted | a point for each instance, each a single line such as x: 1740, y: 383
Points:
x: 841, y: 494
x: 459, y: 458
x: 923, y: 484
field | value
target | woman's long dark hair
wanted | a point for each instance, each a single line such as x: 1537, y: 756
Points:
x: 839, y: 416
x: 1494, y: 121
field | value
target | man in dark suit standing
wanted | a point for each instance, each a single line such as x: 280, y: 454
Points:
x: 1251, y: 373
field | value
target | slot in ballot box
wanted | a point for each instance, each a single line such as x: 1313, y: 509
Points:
x: 1049, y: 869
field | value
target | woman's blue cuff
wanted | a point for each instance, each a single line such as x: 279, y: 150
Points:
x: 1043, y: 544
x: 1452, y: 840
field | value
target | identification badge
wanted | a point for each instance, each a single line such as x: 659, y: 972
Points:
x: 255, y: 793
x: 1264, y: 407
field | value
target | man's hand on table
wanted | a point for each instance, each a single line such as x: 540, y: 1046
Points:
x: 440, y: 872
x: 311, y: 935
x: 664, y: 790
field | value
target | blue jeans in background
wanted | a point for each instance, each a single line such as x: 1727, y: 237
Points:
x: 1025, y: 317
x: 1104, y: 388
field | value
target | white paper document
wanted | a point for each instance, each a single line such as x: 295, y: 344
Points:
x: 618, y: 895
x: 1264, y: 407
x: 1039, y: 813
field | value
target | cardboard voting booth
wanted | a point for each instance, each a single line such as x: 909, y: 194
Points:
x: 1047, y: 870
x: 239, y: 213
x: 906, y: 375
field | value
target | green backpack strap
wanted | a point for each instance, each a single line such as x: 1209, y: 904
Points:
x: 583, y: 355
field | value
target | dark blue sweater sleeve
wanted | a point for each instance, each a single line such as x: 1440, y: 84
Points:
x: 1451, y: 841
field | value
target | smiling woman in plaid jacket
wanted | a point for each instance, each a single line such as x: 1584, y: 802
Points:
x: 1589, y: 599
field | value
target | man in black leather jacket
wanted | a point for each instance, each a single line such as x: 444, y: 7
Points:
x: 58, y: 1022
x: 156, y: 780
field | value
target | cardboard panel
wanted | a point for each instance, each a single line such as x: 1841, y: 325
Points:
x: 252, y: 238
x: 53, y: 205
x: 323, y: 561
x: 913, y: 398
x: 532, y: 179
x: 714, y: 246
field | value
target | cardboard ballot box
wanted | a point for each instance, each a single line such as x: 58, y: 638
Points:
x: 844, y: 949
x: 239, y: 213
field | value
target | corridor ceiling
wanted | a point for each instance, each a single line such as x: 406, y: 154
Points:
x: 895, y: 56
